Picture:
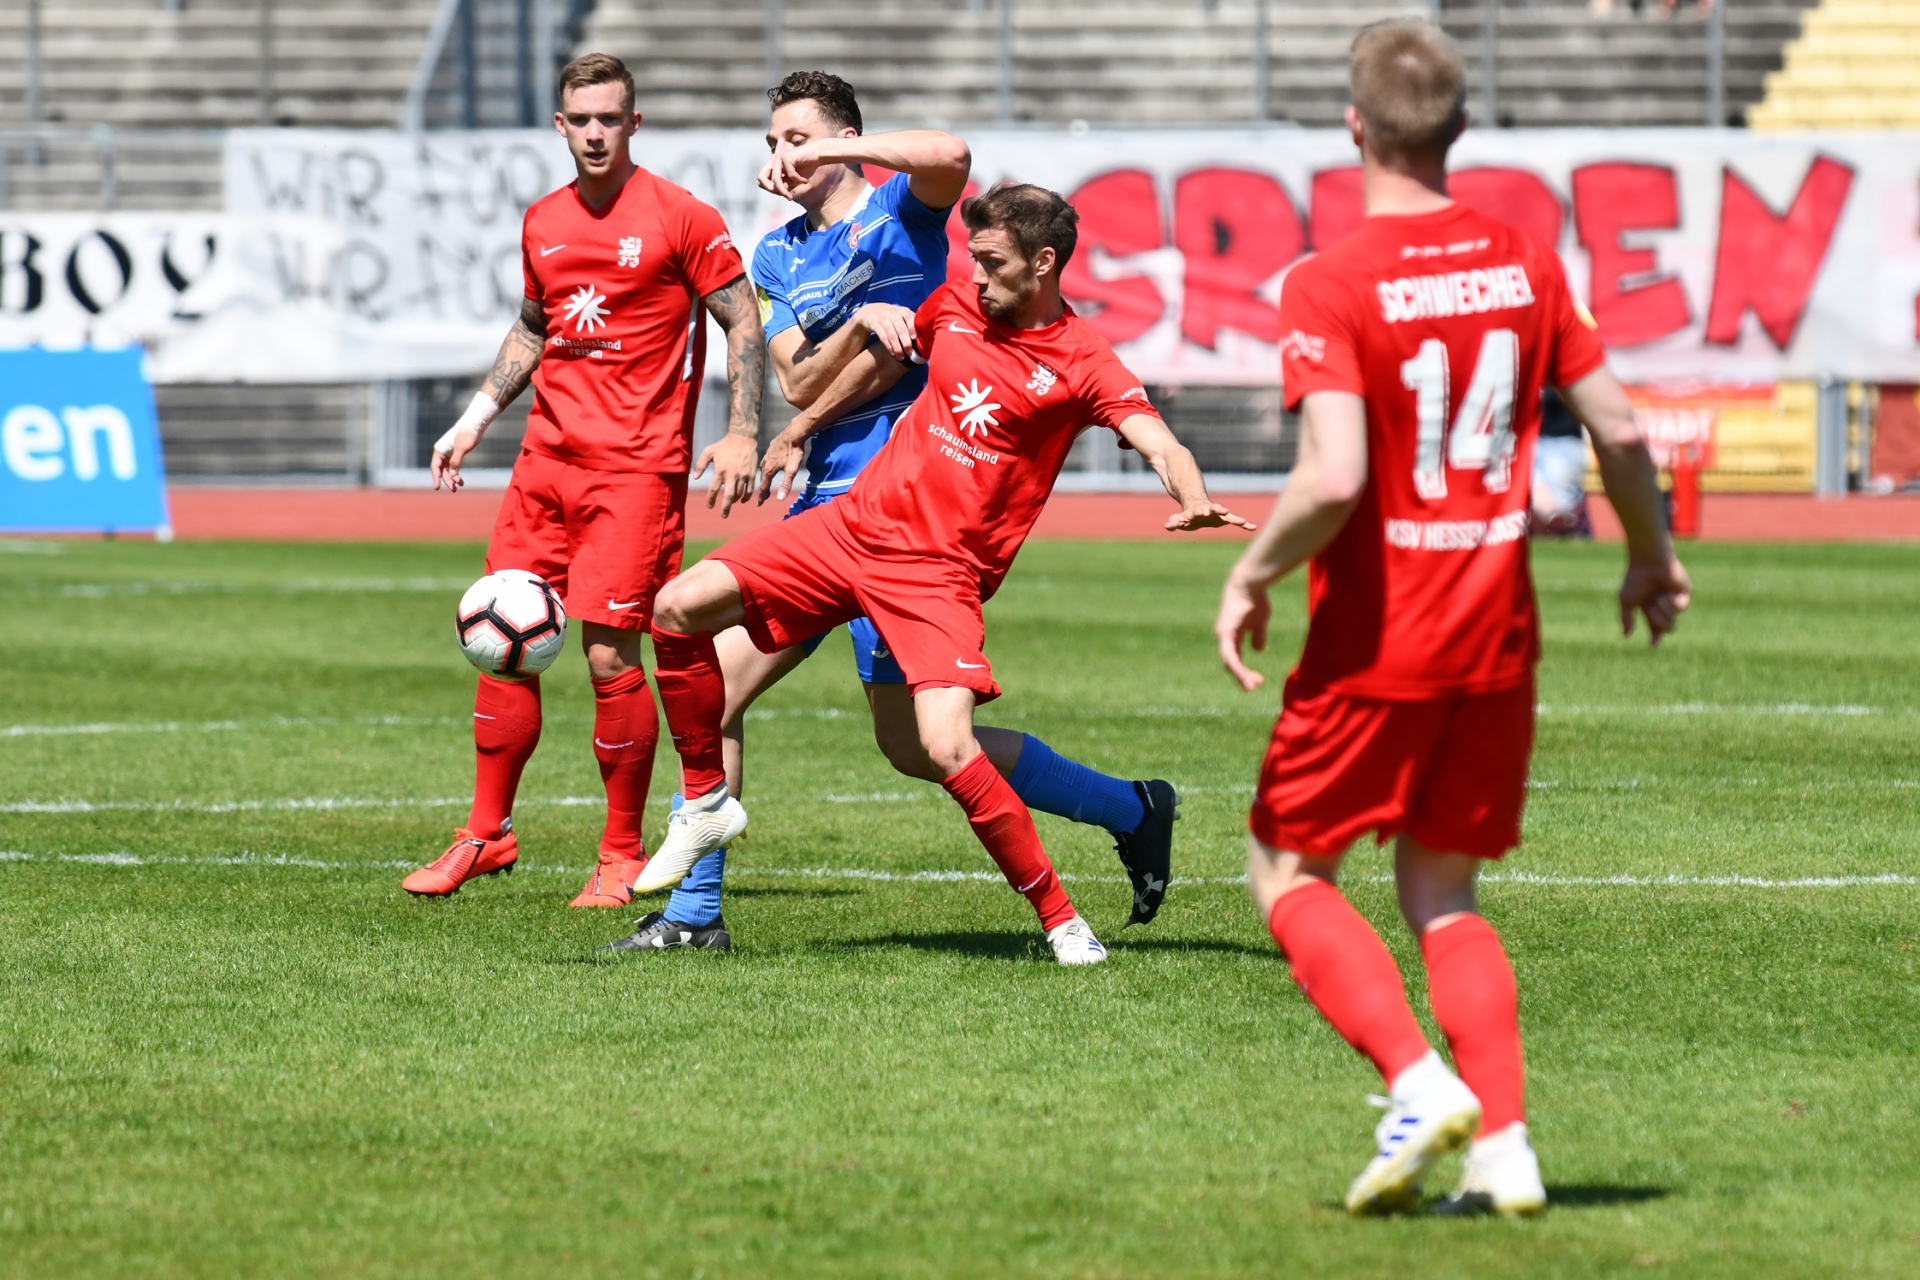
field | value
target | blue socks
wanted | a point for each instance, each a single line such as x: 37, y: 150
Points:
x: 1043, y: 780
x: 1054, y: 784
x: 696, y: 900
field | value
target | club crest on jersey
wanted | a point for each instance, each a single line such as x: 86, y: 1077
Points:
x: 585, y: 308
x: 853, y: 237
x: 971, y: 402
x: 629, y: 251
x: 1042, y: 380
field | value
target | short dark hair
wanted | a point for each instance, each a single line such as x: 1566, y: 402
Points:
x: 1035, y: 217
x: 834, y: 97
x: 596, y: 68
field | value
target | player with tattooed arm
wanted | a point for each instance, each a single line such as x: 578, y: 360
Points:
x: 622, y: 267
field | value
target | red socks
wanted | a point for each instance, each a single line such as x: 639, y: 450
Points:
x: 695, y: 697
x: 626, y: 728
x: 1348, y: 973
x: 1470, y: 983
x: 506, y: 728
x: 1004, y: 826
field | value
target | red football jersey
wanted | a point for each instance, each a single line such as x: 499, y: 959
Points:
x: 626, y: 336
x: 971, y: 462
x: 1448, y: 324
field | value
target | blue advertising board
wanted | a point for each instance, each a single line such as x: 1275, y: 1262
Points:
x: 79, y: 444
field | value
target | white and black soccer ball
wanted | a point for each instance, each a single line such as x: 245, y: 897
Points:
x: 511, y: 624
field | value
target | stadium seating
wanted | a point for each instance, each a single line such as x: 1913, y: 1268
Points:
x: 174, y: 73
x: 1147, y: 61
x: 1851, y: 68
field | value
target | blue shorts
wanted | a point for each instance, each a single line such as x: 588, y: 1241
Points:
x: 870, y: 656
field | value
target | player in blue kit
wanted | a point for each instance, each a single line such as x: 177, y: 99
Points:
x: 838, y: 288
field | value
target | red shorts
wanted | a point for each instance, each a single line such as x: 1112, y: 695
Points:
x: 806, y: 575
x: 605, y: 540
x: 1451, y: 772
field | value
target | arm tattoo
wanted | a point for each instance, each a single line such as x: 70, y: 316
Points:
x: 734, y: 307
x: 519, y: 354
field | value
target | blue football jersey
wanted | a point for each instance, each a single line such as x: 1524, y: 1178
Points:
x: 890, y: 248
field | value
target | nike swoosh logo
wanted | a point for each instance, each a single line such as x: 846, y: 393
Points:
x: 544, y: 251
x: 956, y: 327
x: 615, y: 604
x: 970, y: 666
x: 613, y: 746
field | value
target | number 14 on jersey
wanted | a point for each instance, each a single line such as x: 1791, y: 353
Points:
x: 1482, y: 434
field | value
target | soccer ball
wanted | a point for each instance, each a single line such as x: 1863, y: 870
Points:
x: 511, y: 624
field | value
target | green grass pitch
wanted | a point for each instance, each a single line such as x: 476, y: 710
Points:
x: 229, y: 1044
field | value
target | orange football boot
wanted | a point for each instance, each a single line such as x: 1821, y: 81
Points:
x: 610, y: 883
x: 469, y: 857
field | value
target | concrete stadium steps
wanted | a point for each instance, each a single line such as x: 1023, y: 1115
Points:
x: 1560, y: 65
x: 105, y: 170
x: 224, y: 430
x: 1189, y: 62
x: 1110, y: 61
x: 1851, y: 68
x: 216, y: 63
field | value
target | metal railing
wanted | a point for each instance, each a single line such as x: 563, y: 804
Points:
x: 531, y: 36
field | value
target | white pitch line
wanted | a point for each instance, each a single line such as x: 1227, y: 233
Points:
x: 319, y: 803
x: 1717, y: 709
x: 1521, y: 878
x: 836, y: 713
x: 289, y: 586
x: 215, y: 726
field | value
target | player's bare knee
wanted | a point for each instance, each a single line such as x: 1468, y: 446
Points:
x: 949, y: 752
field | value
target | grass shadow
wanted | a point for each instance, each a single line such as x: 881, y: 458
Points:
x: 1129, y: 941
x: 1593, y: 1195
x: 791, y: 893
x: 990, y: 946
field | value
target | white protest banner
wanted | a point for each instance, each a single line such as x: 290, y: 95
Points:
x: 1705, y: 256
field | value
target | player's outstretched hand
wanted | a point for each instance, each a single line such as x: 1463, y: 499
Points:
x: 733, y: 458
x: 1205, y: 515
x: 784, y: 455
x: 1243, y: 616
x: 1660, y: 591
x: 892, y: 325
x: 445, y: 465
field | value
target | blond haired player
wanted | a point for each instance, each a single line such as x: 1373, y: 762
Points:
x: 1415, y: 351
x: 619, y: 266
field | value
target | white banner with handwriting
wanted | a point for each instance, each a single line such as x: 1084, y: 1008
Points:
x: 1705, y: 256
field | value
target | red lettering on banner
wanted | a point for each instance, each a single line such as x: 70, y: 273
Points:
x: 1515, y: 197
x: 1336, y: 206
x: 1119, y: 213
x: 1608, y: 201
x: 1767, y: 263
x: 959, y: 261
x: 1236, y: 229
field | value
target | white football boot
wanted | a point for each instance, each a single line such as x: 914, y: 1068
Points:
x: 1074, y: 943
x: 694, y: 830
x: 1430, y: 1111
x: 1502, y: 1176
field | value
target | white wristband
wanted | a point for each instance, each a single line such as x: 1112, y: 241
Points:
x: 478, y: 417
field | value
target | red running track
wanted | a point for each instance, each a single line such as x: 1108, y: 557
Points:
x: 404, y: 515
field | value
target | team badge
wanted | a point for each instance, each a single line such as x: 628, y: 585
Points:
x: 629, y: 251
